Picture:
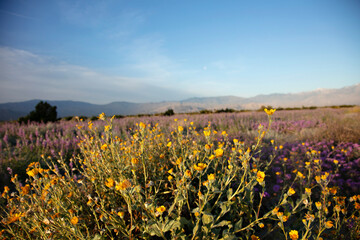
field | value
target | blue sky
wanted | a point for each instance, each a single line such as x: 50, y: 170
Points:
x: 149, y: 51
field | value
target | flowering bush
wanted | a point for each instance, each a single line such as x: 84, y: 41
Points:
x: 188, y: 184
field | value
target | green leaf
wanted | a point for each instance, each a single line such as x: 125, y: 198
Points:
x: 222, y: 223
x: 171, y: 225
x: 229, y: 193
x: 154, y: 230
x: 238, y: 224
x: 97, y: 237
x: 207, y: 218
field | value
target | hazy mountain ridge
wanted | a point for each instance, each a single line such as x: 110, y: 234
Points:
x: 320, y: 97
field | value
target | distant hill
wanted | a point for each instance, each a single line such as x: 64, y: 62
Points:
x: 321, y: 97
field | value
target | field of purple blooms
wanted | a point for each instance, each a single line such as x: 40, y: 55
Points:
x: 322, y: 144
x: 334, y: 133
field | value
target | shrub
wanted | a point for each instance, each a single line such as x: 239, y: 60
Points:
x: 169, y: 112
x: 43, y: 112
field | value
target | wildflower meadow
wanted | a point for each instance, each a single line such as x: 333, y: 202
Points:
x: 254, y: 175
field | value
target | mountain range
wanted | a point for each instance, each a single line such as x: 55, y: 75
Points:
x: 321, y: 97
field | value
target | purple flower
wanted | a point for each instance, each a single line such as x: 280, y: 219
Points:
x: 9, y: 170
x: 276, y: 188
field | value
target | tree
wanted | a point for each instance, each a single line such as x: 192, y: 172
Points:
x: 169, y: 112
x: 43, y: 112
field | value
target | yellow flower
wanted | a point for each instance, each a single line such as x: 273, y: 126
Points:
x: 121, y: 214
x: 109, y: 182
x: 123, y: 185
x: 179, y: 160
x: 25, y: 190
x: 74, y: 220
x: 161, y: 209
x: 336, y: 161
x: 337, y: 208
x: 170, y: 178
x: 324, y: 177
x: 275, y: 211
x: 169, y: 144
x: 188, y: 173
x: 104, y: 147
x: 142, y: 125
x: 291, y: 191
x: 32, y: 172
x: 211, y: 177
x: 329, y: 224
x: 260, y: 176
x: 318, y: 205
x: 200, y: 166
x: 308, y: 191
x: 207, y: 133
x: 270, y: 111
x: 294, y: 235
x: 102, y: 116
x: 180, y: 128
x: 300, y: 175
x: 261, y: 225
x: 219, y: 152
x: 253, y: 237
x: 134, y: 161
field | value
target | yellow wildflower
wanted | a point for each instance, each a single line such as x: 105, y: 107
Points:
x: 329, y: 224
x: 170, y: 178
x: 219, y: 152
x: 74, y: 220
x: 168, y: 144
x: 318, y: 205
x: 161, y: 209
x: 109, y: 182
x: 294, y: 235
x: 104, y: 147
x: 178, y: 161
x: 123, y: 185
x: 308, y: 191
x: 275, y: 211
x: 180, y: 128
x: 270, y: 111
x: 121, y: 214
x: 211, y: 177
x: 32, y: 172
x: 102, y: 116
x: 254, y: 237
x: 260, y: 176
x: 142, y: 125
x: 200, y: 166
x: 188, y: 173
x: 291, y: 191
x: 134, y: 160
x: 207, y: 133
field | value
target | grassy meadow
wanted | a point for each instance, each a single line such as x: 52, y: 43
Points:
x: 242, y: 175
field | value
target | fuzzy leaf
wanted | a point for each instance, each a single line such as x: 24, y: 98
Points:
x: 207, y: 218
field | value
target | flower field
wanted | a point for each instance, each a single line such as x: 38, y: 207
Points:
x: 253, y: 175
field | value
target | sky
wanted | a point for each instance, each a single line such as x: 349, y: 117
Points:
x: 167, y: 50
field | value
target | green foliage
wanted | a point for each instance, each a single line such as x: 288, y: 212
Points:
x: 169, y: 112
x: 43, y: 112
x: 227, y: 110
x: 186, y: 185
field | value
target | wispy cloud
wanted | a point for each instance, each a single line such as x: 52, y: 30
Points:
x: 25, y: 76
x: 15, y: 14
